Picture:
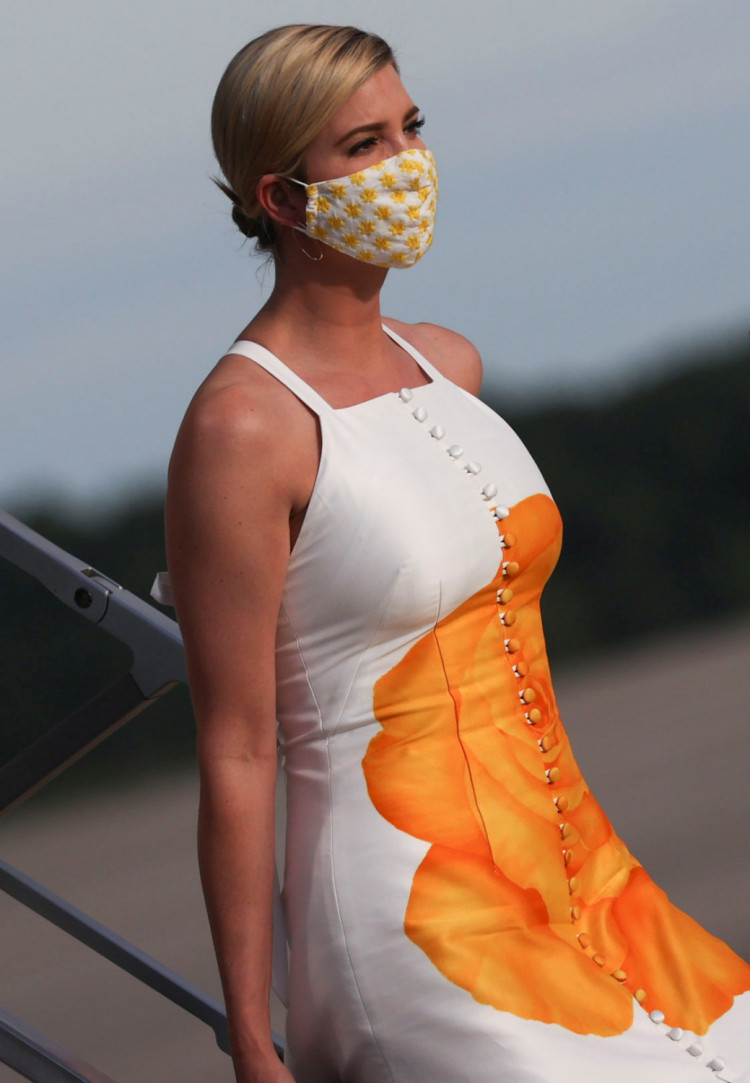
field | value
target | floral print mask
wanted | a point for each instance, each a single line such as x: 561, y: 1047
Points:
x: 384, y: 214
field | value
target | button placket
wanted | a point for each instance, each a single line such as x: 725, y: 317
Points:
x: 508, y: 617
x: 455, y: 452
x: 533, y: 715
x: 684, y: 1040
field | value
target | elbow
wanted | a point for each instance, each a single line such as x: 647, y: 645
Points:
x: 229, y: 768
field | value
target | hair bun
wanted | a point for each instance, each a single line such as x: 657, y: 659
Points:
x: 245, y: 224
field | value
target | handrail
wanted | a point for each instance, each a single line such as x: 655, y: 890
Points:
x: 158, y: 665
x: 153, y: 639
x: 39, y: 1058
x: 118, y: 950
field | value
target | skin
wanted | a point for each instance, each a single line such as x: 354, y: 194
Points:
x: 237, y: 496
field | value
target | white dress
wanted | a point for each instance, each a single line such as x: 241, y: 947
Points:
x: 459, y: 907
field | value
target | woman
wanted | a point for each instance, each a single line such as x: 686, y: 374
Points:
x: 357, y: 547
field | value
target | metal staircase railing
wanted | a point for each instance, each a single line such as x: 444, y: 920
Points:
x: 158, y: 665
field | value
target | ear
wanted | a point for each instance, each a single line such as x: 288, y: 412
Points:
x: 284, y: 203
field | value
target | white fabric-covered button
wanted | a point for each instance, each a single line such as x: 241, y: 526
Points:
x: 405, y: 394
x: 501, y: 512
x: 489, y: 491
x: 718, y: 1064
x: 676, y: 1034
x: 695, y: 1050
x: 420, y: 413
x: 473, y: 468
x: 437, y: 431
x: 455, y: 451
x: 656, y: 1016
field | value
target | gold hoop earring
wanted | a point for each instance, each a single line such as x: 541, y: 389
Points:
x: 315, y: 259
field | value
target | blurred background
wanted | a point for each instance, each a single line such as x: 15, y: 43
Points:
x: 592, y: 240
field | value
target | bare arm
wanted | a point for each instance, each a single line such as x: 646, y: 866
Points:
x: 228, y: 508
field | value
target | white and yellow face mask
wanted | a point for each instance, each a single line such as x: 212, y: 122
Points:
x: 383, y: 215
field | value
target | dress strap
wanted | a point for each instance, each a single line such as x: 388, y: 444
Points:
x: 424, y: 364
x: 271, y: 363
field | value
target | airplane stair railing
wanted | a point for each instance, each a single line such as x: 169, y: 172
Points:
x: 158, y: 665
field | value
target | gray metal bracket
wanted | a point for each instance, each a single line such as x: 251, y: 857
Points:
x: 154, y: 639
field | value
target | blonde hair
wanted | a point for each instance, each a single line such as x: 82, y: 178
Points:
x: 276, y: 95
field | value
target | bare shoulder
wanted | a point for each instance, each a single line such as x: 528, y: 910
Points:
x: 235, y: 422
x: 453, y: 354
x: 231, y: 407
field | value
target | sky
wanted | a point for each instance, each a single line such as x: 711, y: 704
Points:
x: 593, y: 159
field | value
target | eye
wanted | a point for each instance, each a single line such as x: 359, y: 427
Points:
x: 414, y: 126
x: 364, y: 144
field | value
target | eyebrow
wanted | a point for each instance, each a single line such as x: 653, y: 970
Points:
x: 377, y: 127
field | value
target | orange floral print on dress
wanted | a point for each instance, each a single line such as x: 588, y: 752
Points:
x: 527, y: 898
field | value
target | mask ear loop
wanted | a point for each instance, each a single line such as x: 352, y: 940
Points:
x: 300, y: 229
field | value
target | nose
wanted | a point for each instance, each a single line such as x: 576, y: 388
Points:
x: 403, y: 141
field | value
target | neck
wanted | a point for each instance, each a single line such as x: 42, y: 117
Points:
x: 326, y: 309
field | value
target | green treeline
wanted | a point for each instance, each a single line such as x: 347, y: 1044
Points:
x: 652, y: 488
x: 654, y: 493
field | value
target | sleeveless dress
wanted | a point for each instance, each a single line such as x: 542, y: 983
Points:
x: 458, y: 906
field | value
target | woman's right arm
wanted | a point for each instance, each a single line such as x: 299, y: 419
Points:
x: 228, y: 507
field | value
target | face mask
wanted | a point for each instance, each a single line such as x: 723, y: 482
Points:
x: 383, y: 215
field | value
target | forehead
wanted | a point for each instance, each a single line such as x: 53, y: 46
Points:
x: 381, y: 98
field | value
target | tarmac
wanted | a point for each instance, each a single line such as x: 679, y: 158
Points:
x: 660, y: 730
